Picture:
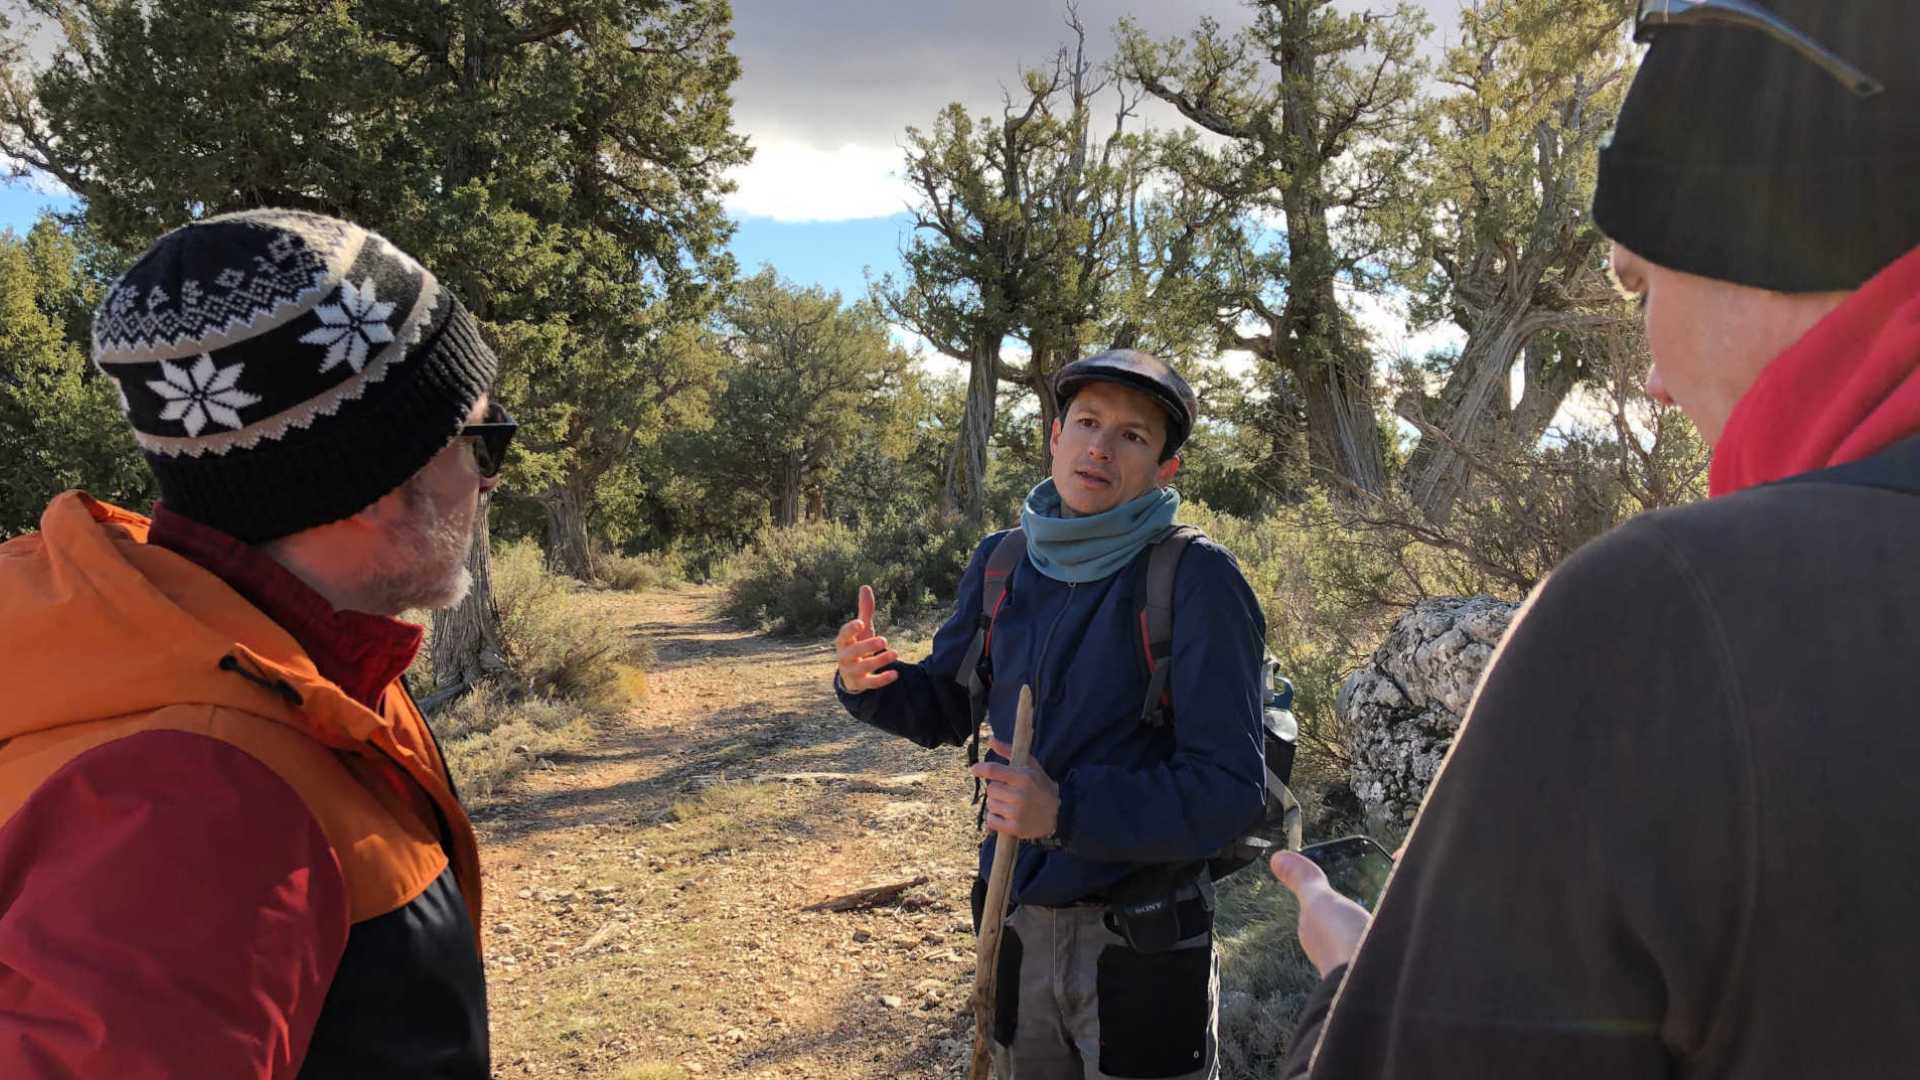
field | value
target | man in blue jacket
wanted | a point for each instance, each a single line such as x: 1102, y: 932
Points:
x: 1121, y: 812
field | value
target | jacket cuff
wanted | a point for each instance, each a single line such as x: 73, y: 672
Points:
x: 848, y: 700
x: 1312, y: 1024
x: 1062, y: 837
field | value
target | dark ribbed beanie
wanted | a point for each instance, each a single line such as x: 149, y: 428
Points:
x: 1737, y: 158
x: 283, y: 370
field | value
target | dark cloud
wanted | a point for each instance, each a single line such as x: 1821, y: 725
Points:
x: 836, y: 71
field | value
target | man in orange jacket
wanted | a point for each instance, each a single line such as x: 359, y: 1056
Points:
x: 228, y: 843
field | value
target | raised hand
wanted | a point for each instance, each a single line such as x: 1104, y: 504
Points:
x: 862, y: 654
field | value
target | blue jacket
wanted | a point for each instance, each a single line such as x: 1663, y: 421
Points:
x: 1129, y: 794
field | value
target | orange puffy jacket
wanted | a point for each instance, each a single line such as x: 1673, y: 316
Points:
x: 213, y: 861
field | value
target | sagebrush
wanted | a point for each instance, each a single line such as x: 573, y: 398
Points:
x: 571, y: 669
x: 806, y: 579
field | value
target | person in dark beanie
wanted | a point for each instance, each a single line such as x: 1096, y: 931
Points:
x: 229, y: 845
x: 1674, y: 837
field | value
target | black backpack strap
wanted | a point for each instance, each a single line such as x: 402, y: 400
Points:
x: 1156, y: 619
x: 1001, y: 562
x: 1897, y: 468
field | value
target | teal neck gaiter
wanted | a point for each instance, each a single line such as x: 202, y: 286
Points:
x: 1080, y: 549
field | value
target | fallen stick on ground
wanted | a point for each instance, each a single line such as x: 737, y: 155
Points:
x: 994, y: 915
x: 867, y: 898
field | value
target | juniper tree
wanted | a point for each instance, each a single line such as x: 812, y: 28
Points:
x: 558, y: 163
x: 1310, y: 116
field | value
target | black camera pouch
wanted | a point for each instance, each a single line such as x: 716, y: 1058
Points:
x: 1161, y: 906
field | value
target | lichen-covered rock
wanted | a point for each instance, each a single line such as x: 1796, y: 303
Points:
x: 1401, y: 710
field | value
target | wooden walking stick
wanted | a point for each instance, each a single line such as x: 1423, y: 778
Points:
x: 993, y: 917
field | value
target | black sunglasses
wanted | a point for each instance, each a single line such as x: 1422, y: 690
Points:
x: 1654, y: 15
x: 491, y: 438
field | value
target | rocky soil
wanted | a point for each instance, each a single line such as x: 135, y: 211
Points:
x: 644, y: 895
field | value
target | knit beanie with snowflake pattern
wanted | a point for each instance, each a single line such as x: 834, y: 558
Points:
x: 283, y: 370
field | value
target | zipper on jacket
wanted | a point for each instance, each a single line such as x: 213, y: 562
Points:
x: 279, y: 687
x: 1040, y: 663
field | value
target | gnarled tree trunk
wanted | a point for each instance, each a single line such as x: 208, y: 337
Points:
x: 466, y: 638
x: 1470, y: 408
x: 1343, y: 436
x: 966, y: 490
x: 786, y: 511
x: 568, y: 550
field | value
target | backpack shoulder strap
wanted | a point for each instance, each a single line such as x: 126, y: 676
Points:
x: 1897, y: 468
x: 1156, y: 619
x: 1001, y: 561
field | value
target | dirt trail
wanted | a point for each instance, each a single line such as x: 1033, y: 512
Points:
x: 643, y: 913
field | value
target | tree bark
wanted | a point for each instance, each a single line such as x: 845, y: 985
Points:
x: 569, y: 551
x: 966, y: 489
x: 1547, y: 386
x: 1477, y: 390
x: 1343, y: 435
x: 1335, y: 376
x: 466, y: 638
x: 786, y: 512
x: 1049, y: 412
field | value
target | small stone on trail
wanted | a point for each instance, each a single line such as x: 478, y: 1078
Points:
x: 862, y: 936
x: 890, y: 1001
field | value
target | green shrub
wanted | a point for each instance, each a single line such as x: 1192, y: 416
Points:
x: 635, y: 573
x: 806, y: 579
x: 1291, y: 559
x: 556, y: 647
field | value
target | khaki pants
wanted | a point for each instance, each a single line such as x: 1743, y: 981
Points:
x: 1075, y: 1002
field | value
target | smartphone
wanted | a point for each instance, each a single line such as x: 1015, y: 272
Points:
x: 1356, y: 867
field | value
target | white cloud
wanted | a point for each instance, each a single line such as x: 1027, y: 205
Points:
x: 21, y: 175
x: 1392, y: 337
x: 792, y: 181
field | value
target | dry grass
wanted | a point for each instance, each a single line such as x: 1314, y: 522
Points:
x: 488, y: 741
x: 1264, y: 976
x: 574, y: 667
x: 650, y: 1070
x: 555, y: 638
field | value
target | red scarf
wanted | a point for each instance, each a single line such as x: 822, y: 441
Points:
x: 1848, y: 389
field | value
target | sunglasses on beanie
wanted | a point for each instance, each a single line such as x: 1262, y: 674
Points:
x: 1656, y: 15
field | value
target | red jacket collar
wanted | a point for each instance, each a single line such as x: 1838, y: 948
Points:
x: 360, y: 653
x: 1848, y: 389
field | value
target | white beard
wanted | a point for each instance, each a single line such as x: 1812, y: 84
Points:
x: 428, y: 559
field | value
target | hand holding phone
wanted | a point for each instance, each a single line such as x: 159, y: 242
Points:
x: 1356, y: 866
x: 1331, y: 922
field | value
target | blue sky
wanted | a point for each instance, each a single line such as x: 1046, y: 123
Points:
x: 831, y: 254
x: 21, y: 204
